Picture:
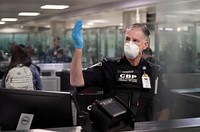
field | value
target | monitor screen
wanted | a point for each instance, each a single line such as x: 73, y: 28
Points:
x: 49, y: 109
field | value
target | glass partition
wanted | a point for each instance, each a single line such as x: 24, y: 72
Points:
x: 175, y: 45
x: 99, y: 43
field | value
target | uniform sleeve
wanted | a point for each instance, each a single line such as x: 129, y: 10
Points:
x: 163, y: 92
x: 94, y: 75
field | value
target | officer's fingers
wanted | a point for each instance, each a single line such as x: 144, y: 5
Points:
x: 78, y: 28
x: 78, y: 25
x: 79, y: 22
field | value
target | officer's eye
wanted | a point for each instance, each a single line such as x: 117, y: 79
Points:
x: 135, y: 40
x: 127, y: 39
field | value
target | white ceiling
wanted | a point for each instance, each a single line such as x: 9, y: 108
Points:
x: 88, y: 10
x: 111, y: 10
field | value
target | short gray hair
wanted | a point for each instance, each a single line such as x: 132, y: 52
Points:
x: 142, y: 27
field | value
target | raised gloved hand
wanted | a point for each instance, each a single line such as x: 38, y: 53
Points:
x: 77, y: 35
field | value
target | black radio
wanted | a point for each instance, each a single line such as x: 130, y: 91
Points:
x: 110, y: 114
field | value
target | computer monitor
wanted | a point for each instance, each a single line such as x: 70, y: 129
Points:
x: 50, y: 109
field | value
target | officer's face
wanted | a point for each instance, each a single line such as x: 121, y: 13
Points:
x: 136, y: 36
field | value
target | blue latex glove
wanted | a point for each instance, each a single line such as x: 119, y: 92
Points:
x: 77, y: 35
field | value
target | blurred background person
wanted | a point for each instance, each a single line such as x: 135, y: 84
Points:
x: 67, y: 55
x: 53, y: 52
x: 20, y: 56
x: 2, y: 56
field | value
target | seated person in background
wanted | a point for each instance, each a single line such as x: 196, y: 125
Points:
x: 130, y: 77
x: 21, y: 73
x: 59, y: 56
x: 148, y: 55
x: 66, y: 54
x: 55, y: 51
x: 2, y: 57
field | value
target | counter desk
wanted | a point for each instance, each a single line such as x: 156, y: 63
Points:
x: 177, y: 125
x: 186, y: 103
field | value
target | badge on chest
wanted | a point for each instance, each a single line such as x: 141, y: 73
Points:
x: 146, y: 81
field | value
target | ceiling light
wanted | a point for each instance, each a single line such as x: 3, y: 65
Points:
x: 29, y: 14
x: 168, y: 29
x: 170, y: 15
x: 9, y: 19
x: 2, y: 22
x: 54, y: 7
x: 90, y: 23
x: 99, y: 21
x: 182, y: 28
x: 47, y: 26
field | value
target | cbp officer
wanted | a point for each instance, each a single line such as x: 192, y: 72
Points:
x: 135, y: 81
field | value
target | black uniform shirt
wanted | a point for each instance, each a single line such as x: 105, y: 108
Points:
x: 119, y: 77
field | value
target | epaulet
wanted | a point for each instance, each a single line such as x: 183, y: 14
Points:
x: 108, y: 60
x: 100, y: 63
x: 118, y: 59
x: 96, y: 65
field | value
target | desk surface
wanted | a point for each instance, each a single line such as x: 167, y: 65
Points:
x: 192, y: 94
x: 61, y: 129
x: 188, y: 90
x: 178, y: 125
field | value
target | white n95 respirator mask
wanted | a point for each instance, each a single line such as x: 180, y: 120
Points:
x: 131, y: 50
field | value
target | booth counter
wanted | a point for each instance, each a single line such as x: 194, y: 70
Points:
x: 178, y: 125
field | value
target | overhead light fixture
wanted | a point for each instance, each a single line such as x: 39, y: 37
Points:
x: 171, y: 16
x: 99, y: 21
x: 168, y: 29
x: 28, y: 13
x: 54, y: 7
x: 9, y: 19
x: 90, y: 23
x: 182, y: 28
x: 2, y: 22
x: 47, y: 26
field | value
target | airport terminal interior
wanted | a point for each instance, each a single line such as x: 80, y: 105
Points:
x: 174, y: 39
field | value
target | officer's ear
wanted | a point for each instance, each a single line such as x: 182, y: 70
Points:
x: 146, y: 45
